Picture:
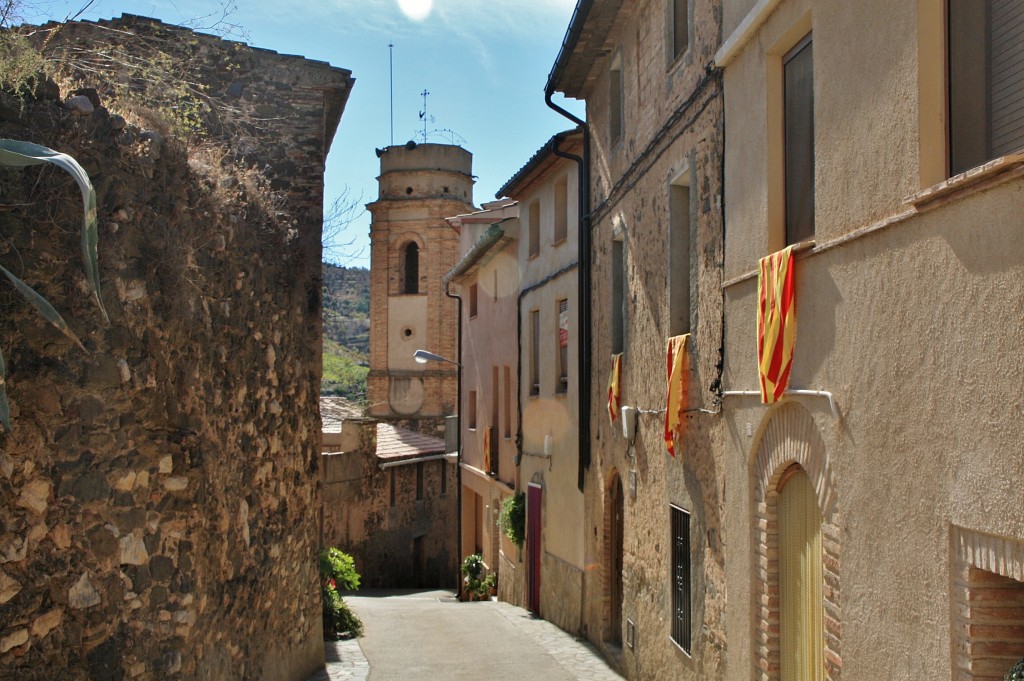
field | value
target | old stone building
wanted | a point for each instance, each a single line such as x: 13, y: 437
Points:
x: 546, y: 575
x: 158, y: 490
x: 389, y: 496
x: 411, y: 249
x: 486, y: 278
x: 652, y: 531
x: 883, y: 145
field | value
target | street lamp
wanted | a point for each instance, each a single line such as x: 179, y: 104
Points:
x: 424, y: 356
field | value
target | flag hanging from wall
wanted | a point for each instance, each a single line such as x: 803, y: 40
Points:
x: 678, y: 368
x: 615, y: 388
x: 776, y: 323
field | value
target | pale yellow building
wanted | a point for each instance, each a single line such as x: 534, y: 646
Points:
x: 546, y: 574
x: 882, y: 138
x: 486, y: 280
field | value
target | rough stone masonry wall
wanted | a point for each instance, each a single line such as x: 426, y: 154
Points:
x: 158, y: 493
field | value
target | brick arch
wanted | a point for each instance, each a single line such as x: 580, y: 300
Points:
x: 397, y: 284
x: 612, y: 479
x: 789, y: 436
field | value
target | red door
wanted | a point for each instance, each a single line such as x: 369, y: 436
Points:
x: 533, y: 496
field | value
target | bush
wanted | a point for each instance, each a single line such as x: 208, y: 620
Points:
x: 338, y: 571
x: 512, y: 519
x: 477, y: 586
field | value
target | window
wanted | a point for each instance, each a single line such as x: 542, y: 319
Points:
x: 561, y: 210
x: 563, y: 346
x: 472, y: 300
x: 419, y: 481
x: 618, y: 311
x: 534, y: 227
x: 471, y: 411
x: 679, y: 256
x: 495, y: 403
x: 986, y: 81
x: 615, y: 123
x: 508, y: 402
x: 535, y: 352
x: 680, y: 27
x: 681, y: 626
x: 798, y: 116
x: 411, y: 268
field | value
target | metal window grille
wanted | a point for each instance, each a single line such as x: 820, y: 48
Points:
x: 681, y: 633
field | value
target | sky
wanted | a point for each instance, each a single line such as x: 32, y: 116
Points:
x: 484, y: 63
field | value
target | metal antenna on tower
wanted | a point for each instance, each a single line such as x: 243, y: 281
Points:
x: 391, y: 69
x: 423, y: 114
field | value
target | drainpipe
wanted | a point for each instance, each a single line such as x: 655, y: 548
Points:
x: 584, y: 297
x: 458, y: 442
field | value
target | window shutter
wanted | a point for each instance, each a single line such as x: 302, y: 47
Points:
x: 1006, y: 76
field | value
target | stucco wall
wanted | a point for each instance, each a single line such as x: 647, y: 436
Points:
x: 914, y: 327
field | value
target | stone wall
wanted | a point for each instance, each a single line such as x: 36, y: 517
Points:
x: 380, y: 527
x: 158, y: 492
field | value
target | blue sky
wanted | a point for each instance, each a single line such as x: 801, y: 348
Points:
x: 484, y: 63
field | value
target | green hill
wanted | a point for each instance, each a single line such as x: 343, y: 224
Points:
x: 346, y: 301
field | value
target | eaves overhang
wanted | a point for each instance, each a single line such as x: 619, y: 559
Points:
x: 537, y: 161
x: 489, y: 243
x: 584, y: 45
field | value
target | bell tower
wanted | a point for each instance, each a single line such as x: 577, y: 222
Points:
x: 411, y: 248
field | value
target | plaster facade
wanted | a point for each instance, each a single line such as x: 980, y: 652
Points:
x: 419, y: 185
x: 908, y: 311
x: 487, y: 280
x: 655, y: 121
x: 548, y: 260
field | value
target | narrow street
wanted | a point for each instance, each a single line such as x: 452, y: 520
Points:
x: 430, y: 635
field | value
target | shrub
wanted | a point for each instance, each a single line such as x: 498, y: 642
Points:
x: 338, y: 571
x: 512, y: 519
x: 477, y: 586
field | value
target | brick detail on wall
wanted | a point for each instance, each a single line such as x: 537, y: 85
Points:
x: 987, y: 605
x: 789, y: 437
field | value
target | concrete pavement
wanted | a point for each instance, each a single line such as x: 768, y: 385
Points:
x: 430, y: 635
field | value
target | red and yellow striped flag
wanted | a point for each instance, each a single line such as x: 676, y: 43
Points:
x: 678, y: 387
x: 776, y: 323
x: 615, y: 388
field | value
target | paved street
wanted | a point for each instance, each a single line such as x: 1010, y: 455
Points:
x: 430, y: 635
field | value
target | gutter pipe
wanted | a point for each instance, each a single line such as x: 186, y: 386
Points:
x: 458, y: 436
x: 584, y: 297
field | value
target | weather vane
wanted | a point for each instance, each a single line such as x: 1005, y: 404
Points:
x: 423, y: 114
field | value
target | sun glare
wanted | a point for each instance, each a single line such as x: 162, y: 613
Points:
x: 417, y: 10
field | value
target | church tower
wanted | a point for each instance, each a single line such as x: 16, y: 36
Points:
x: 412, y: 247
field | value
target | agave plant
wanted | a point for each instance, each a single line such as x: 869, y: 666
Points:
x: 15, y: 153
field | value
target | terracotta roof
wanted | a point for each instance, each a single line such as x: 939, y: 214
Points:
x: 395, y: 444
x: 585, y: 45
x: 335, y: 410
x: 539, y: 157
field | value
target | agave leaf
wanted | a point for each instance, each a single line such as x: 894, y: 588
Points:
x: 43, y: 305
x: 17, y: 153
x: 5, y: 406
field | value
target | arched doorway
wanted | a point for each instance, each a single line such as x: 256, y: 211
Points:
x: 615, y: 541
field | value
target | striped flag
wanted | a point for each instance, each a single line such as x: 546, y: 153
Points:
x: 776, y: 323
x: 678, y: 373
x: 615, y: 388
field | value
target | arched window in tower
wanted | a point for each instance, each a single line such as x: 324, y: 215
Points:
x: 411, y: 280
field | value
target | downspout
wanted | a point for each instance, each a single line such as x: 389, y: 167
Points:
x: 458, y: 440
x: 584, y: 298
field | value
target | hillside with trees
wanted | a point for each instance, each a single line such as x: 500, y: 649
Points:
x: 346, y: 301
